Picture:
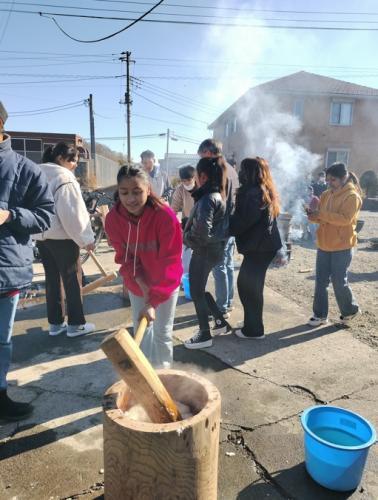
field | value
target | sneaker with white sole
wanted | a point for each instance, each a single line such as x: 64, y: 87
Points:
x: 199, y: 340
x: 55, y: 330
x: 315, y: 321
x: 220, y: 327
x: 238, y: 332
x: 78, y: 330
x: 348, y: 319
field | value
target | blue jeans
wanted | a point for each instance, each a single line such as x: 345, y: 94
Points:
x: 186, y: 256
x: 8, y: 306
x: 333, y: 266
x: 223, y: 275
x: 157, y: 343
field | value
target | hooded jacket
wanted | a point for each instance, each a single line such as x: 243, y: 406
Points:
x: 24, y: 191
x: 148, y: 248
x: 71, y: 220
x: 337, y: 218
x: 255, y: 230
x: 208, y: 221
x: 182, y: 201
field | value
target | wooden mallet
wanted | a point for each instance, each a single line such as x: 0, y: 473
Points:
x: 139, y: 375
x: 100, y: 281
x: 106, y: 277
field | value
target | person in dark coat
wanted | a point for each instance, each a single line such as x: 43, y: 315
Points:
x: 254, y: 224
x: 206, y: 233
x: 26, y: 207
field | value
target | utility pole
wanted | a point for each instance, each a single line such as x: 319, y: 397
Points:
x: 125, y: 57
x: 167, y: 152
x: 92, y: 132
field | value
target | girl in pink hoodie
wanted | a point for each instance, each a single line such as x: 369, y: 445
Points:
x: 146, y: 236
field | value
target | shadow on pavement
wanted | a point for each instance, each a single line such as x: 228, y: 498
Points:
x: 294, y: 482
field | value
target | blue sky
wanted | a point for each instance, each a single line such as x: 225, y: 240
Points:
x: 196, y: 71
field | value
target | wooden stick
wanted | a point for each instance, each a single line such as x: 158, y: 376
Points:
x: 99, y: 282
x: 144, y: 383
x: 125, y: 393
x: 98, y: 264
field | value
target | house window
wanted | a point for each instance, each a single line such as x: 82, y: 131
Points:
x: 234, y: 125
x: 298, y: 108
x: 31, y: 148
x: 341, y: 113
x: 226, y: 129
x: 337, y: 155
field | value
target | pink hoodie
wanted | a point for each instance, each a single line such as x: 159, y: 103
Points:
x: 149, y: 248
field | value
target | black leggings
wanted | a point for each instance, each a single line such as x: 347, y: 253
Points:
x: 251, y: 282
x: 60, y: 259
x: 202, y: 262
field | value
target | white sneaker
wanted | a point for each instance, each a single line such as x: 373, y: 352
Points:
x: 346, y: 320
x: 241, y: 335
x: 315, y: 321
x: 77, y: 331
x: 55, y: 330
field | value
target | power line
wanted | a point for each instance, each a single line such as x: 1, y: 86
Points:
x: 183, y: 101
x: 169, y: 109
x: 187, y: 23
x: 19, y: 115
x: 7, y: 22
x: 243, y: 9
x: 60, y: 81
x: 175, y: 94
x: 180, y: 14
x: 47, y: 109
x: 184, y: 125
x: 134, y: 21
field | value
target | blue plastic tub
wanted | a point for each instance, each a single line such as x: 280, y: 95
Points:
x: 186, y: 285
x: 336, y: 444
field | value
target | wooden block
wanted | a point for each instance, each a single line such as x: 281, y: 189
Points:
x: 135, y: 369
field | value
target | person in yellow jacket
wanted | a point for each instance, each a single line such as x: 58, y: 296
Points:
x: 336, y: 238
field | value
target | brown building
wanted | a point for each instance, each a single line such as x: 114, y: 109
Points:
x: 339, y: 119
x: 33, y: 144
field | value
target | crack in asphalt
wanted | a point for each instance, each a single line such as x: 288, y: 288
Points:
x: 236, y: 438
x: 95, y: 487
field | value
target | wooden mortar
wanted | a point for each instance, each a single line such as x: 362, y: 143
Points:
x: 177, y: 460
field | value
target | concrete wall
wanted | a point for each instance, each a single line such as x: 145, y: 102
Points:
x: 318, y: 135
x: 106, y: 172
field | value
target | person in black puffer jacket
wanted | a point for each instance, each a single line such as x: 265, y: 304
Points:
x: 206, y: 233
x: 254, y: 224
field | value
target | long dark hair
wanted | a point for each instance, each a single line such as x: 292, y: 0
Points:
x: 339, y: 170
x: 66, y: 151
x: 216, y: 171
x: 256, y: 172
x: 133, y: 171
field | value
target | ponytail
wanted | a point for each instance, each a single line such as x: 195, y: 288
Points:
x: 48, y: 155
x: 352, y: 177
x: 66, y: 151
x: 216, y: 172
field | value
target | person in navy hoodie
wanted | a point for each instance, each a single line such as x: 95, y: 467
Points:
x: 146, y: 236
x: 26, y: 207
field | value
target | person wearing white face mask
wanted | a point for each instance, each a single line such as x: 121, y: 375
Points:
x: 183, y: 202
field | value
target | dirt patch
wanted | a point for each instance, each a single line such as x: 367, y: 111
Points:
x: 297, y: 280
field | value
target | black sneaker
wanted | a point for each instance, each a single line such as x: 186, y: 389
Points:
x: 199, y: 340
x: 11, y: 410
x: 220, y: 327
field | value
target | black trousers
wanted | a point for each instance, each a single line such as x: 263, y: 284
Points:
x: 202, y: 262
x: 251, y: 282
x: 60, y: 259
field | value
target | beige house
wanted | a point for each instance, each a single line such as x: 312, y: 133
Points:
x: 339, y: 120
